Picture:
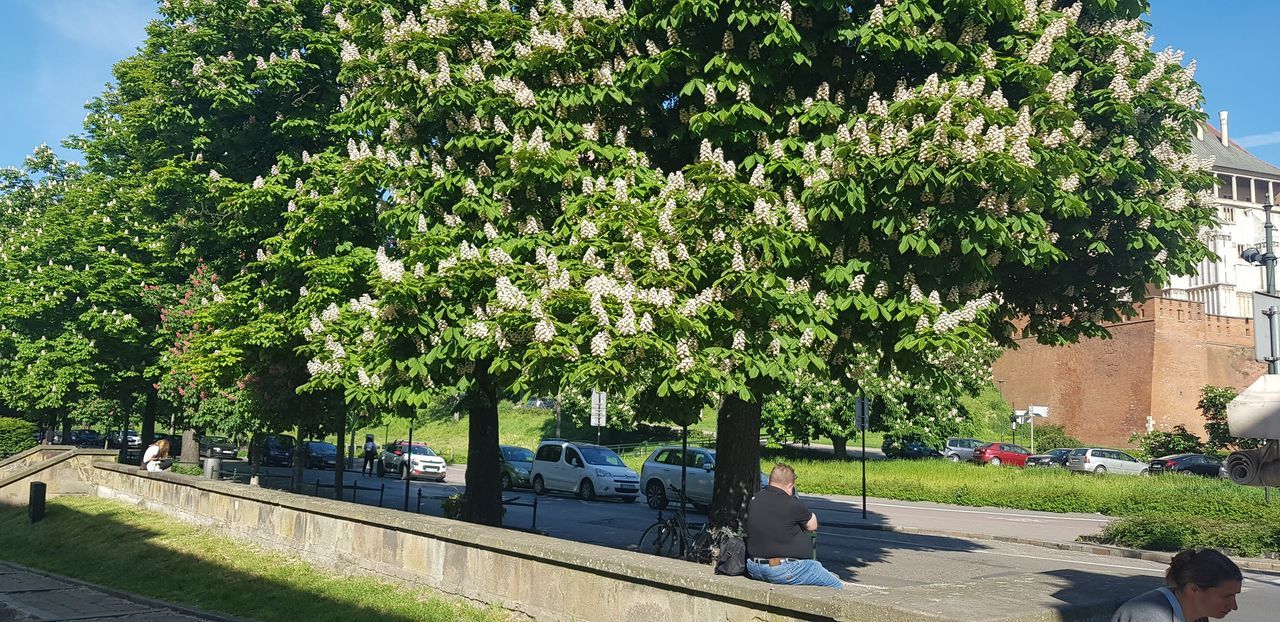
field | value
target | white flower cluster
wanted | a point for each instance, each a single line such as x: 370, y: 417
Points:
x: 1043, y: 48
x: 523, y: 95
x: 948, y: 320
x: 368, y: 381
x: 389, y: 269
x: 349, y: 52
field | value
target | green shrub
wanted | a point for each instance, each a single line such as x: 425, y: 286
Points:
x: 1157, y: 443
x: 1249, y: 538
x: 183, y: 469
x: 16, y: 435
x: 1052, y: 436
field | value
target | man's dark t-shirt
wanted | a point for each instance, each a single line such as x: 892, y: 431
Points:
x: 775, y: 525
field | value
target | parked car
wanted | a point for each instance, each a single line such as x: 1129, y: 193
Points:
x: 661, y: 471
x: 910, y: 448
x: 218, y: 447
x: 274, y: 449
x: 1051, y: 458
x: 1187, y: 464
x: 85, y: 438
x: 408, y: 461
x: 996, y: 454
x: 1100, y: 461
x: 132, y: 437
x: 583, y: 469
x: 958, y: 449
x: 320, y: 455
x: 516, y: 463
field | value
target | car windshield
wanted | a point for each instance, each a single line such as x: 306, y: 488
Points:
x: 422, y: 450
x: 323, y: 448
x: 601, y: 456
x: 517, y: 454
x: 1059, y: 452
x: 215, y: 439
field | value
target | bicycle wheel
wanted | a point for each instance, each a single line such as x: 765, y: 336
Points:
x: 660, y: 539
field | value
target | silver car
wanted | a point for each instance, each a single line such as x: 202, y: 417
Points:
x: 661, y: 471
x: 1100, y: 461
x: 961, y: 449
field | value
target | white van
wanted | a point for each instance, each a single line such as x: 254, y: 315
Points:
x: 586, y: 470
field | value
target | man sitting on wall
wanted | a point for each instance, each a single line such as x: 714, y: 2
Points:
x: 779, y: 548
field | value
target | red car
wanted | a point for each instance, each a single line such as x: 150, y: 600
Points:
x: 996, y: 454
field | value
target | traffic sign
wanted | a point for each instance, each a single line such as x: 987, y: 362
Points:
x: 598, y: 401
x: 1038, y: 411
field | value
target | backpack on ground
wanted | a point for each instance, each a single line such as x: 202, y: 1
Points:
x: 732, y: 559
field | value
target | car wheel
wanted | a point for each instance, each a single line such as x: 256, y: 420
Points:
x: 404, y: 471
x: 539, y: 488
x: 506, y: 482
x: 382, y: 469
x: 587, y: 490
x: 1101, y: 470
x: 1185, y: 472
x: 655, y: 495
x: 629, y: 499
x: 1145, y: 472
x: 954, y: 457
x: 994, y: 462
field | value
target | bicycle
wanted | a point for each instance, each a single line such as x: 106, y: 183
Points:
x: 675, y: 537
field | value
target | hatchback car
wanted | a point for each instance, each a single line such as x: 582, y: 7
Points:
x: 218, y: 447
x: 583, y: 469
x: 996, y: 454
x: 274, y: 449
x: 910, y: 448
x: 320, y: 455
x: 409, y: 461
x: 661, y: 471
x: 515, y: 462
x: 1051, y: 458
x: 959, y: 449
x: 1100, y: 461
x: 1187, y: 464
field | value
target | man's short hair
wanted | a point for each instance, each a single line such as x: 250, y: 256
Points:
x: 782, y: 473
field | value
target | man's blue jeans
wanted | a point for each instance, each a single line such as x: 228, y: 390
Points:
x: 794, y: 572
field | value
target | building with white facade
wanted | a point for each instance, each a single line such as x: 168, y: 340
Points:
x: 1245, y: 183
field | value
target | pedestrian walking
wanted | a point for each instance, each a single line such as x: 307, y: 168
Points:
x: 370, y: 453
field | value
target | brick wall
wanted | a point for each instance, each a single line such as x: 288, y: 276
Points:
x: 1154, y: 365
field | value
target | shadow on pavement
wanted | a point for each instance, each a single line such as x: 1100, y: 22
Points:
x: 1081, y: 589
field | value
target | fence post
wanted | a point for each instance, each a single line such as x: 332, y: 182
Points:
x: 382, y: 492
x: 534, y: 525
x: 419, y: 510
x: 317, y: 489
x: 35, y: 503
x: 355, y: 485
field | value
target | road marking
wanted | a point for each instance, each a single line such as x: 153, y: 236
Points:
x: 984, y: 512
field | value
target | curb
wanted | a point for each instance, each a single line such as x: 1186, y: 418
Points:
x: 129, y: 596
x: 1245, y: 563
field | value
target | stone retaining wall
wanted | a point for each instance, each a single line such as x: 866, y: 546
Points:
x: 64, y: 470
x: 538, y: 576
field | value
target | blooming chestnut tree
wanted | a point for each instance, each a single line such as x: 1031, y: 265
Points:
x: 695, y: 202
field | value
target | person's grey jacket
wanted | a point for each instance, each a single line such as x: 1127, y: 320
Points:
x: 1151, y: 606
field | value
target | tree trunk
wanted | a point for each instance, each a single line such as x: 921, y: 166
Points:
x: 190, y: 449
x: 341, y: 466
x: 737, y: 454
x: 840, y: 445
x: 299, y: 460
x: 66, y: 429
x: 484, y: 489
x: 148, y: 422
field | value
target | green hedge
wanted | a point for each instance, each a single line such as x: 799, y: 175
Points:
x: 1174, y: 533
x: 16, y: 435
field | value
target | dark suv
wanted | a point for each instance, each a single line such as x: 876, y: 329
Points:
x: 275, y: 449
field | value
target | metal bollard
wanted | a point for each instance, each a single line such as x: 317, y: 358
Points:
x: 355, y: 485
x: 317, y: 489
x: 35, y: 506
x: 534, y: 525
x: 419, y: 510
x: 381, y: 492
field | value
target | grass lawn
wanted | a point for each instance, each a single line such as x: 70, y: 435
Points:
x: 148, y: 553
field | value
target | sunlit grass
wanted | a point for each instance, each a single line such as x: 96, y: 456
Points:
x: 148, y: 553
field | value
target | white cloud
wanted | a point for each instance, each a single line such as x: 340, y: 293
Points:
x: 1259, y: 140
x: 114, y: 26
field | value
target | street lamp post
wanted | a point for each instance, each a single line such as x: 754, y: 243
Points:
x: 1267, y: 260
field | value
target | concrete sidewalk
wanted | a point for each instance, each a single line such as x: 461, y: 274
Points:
x: 28, y: 595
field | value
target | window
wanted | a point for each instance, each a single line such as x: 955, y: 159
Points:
x: 572, y: 457
x: 667, y: 456
x: 549, y: 453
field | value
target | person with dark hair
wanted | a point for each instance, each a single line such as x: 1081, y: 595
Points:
x: 370, y: 455
x: 1200, y: 584
x: 779, y: 549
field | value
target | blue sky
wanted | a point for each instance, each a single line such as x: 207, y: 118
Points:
x: 61, y: 51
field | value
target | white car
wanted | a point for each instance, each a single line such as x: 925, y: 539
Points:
x: 587, y: 470
x: 400, y: 458
x: 1100, y: 461
x: 661, y: 471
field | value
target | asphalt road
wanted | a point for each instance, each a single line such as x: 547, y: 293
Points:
x: 939, y: 572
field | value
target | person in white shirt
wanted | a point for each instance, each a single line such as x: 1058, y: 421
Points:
x: 157, y: 456
x: 1200, y: 584
x: 370, y: 453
